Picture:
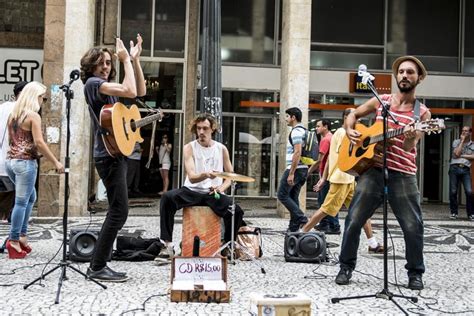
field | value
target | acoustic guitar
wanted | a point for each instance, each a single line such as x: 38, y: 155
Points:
x: 123, y: 127
x: 357, y: 158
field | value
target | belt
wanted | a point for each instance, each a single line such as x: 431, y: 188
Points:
x: 460, y: 165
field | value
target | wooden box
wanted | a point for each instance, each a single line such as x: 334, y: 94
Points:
x: 198, y: 270
x: 279, y: 305
x: 203, y: 222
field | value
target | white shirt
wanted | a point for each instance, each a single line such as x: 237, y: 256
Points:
x: 206, y: 159
x: 5, y: 110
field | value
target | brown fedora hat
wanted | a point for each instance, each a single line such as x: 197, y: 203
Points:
x: 421, y: 68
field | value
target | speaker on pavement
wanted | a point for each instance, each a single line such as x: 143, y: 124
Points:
x: 305, y: 247
x: 82, y: 244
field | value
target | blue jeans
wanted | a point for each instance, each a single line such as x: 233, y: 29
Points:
x: 404, y: 199
x: 23, y: 174
x: 457, y: 175
x: 328, y: 221
x: 289, y: 196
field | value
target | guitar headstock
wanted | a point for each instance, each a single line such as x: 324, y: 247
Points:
x: 431, y: 126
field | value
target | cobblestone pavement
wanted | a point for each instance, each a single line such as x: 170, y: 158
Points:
x: 448, y: 278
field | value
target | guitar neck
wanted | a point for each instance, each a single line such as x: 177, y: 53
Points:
x: 147, y: 120
x: 390, y: 134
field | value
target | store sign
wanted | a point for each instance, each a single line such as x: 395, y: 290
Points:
x: 17, y: 65
x: 382, y: 83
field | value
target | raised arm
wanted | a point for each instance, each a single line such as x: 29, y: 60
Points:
x: 128, y: 88
x: 135, y: 51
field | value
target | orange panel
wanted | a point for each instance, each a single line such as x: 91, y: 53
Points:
x: 203, y: 222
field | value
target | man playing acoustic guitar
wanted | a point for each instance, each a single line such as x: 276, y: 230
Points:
x: 403, y: 193
x: 97, y: 72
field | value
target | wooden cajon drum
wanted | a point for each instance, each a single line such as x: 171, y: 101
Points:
x: 203, y: 222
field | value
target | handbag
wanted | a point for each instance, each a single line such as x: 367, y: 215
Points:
x: 249, y: 243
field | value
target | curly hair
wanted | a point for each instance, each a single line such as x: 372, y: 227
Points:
x: 201, y: 118
x: 91, y: 59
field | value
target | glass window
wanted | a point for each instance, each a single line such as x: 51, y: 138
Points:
x: 338, y: 25
x: 249, y: 141
x: 469, y: 105
x: 249, y: 102
x: 247, y: 31
x: 164, y: 84
x: 170, y: 22
x: 252, y: 154
x: 347, y: 22
x: 413, y: 25
x: 468, y: 38
x: 170, y: 28
x: 136, y: 19
x: 443, y: 103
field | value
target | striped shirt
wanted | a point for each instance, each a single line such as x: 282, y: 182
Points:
x: 397, y: 158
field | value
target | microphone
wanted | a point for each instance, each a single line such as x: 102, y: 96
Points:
x: 362, y: 72
x: 74, y: 75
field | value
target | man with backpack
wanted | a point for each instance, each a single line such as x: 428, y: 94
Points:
x: 296, y: 172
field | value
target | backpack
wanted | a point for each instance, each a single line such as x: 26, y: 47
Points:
x: 310, y: 148
x: 249, y: 243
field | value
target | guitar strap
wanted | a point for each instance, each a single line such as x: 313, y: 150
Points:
x: 103, y: 131
x: 416, y: 111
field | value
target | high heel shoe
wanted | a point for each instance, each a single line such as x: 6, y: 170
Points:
x: 26, y: 248
x: 13, y: 253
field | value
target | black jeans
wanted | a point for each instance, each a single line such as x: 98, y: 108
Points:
x: 113, y: 172
x: 173, y: 200
x: 133, y: 175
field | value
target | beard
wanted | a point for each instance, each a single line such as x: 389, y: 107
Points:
x: 407, y: 88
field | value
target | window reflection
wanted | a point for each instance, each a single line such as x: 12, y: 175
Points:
x: 164, y: 84
x: 247, y: 31
x: 136, y: 19
x: 170, y: 21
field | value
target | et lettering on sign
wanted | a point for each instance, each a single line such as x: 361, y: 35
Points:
x: 15, y: 70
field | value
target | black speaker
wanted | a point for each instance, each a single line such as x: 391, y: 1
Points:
x: 305, y: 247
x: 82, y: 244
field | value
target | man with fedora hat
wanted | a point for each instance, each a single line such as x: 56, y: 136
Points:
x: 403, y: 193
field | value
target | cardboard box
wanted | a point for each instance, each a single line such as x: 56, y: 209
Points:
x: 199, y: 279
x: 279, y: 304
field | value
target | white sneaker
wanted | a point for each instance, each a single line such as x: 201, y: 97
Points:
x: 165, y: 255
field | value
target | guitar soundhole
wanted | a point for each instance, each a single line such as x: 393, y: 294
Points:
x: 362, y: 149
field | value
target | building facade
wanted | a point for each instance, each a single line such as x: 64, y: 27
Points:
x: 260, y: 38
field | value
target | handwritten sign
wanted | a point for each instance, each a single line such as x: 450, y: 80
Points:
x: 197, y: 268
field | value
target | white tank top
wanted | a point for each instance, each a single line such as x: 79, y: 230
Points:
x: 164, y: 155
x: 206, y: 159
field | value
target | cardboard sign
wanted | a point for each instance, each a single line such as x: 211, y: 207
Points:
x: 197, y: 268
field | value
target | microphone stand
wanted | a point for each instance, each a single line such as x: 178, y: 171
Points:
x: 385, y: 292
x: 64, y: 263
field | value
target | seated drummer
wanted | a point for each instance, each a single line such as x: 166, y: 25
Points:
x: 202, y: 157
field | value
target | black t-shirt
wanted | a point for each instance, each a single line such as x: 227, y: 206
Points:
x: 97, y: 100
